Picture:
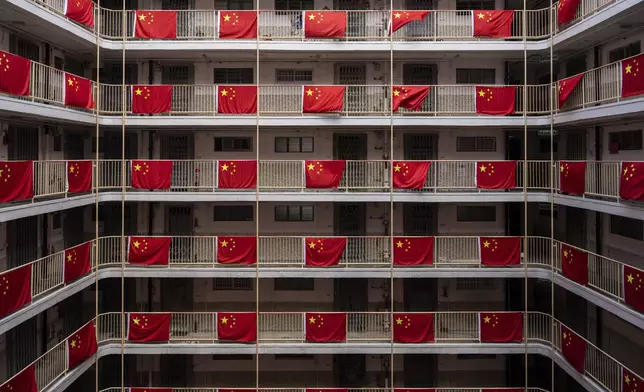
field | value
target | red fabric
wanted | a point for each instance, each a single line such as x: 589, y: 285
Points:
x: 15, y: 72
x: 574, y: 264
x: 149, y: 250
x: 572, y: 177
x: 15, y: 287
x: 634, y: 288
x: 500, y: 251
x: 323, y: 99
x: 77, y: 262
x: 501, y: 327
x: 156, y: 24
x: 149, y: 327
x: 414, y: 389
x: 325, y: 24
x: 81, y: 345
x: 151, y: 99
x: 79, y: 176
x: 326, y: 327
x: 78, y: 91
x: 402, y: 18
x: 413, y: 327
x: 153, y: 389
x: 16, y: 180
x: 573, y: 348
x: 565, y: 87
x: 81, y: 11
x: 237, y: 250
x: 631, y: 184
x: 236, y: 390
x: 25, y: 381
x: 323, y: 390
x: 633, y: 76
x: 324, y: 252
x: 413, y: 250
x: 410, y: 174
x: 237, y: 174
x: 496, y: 174
x: 409, y: 97
x: 238, y: 327
x: 237, y: 99
x: 496, y: 101
x: 324, y: 174
x: 237, y: 24
x: 151, y: 174
x: 631, y: 382
x: 566, y: 11
x: 493, y: 23
x: 502, y: 390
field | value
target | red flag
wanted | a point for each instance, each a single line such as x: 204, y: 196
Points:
x: 236, y: 250
x: 15, y: 286
x: 402, y: 18
x: 237, y: 174
x: 15, y: 73
x: 409, y: 97
x: 501, y: 327
x: 410, y: 174
x: 574, y: 264
x: 324, y: 252
x: 323, y: 99
x: 572, y: 177
x: 81, y: 345
x: 132, y: 389
x: 632, y: 76
x: 326, y: 327
x: 238, y: 327
x: 631, y: 382
x: 25, y: 381
x: 78, y: 91
x: 325, y: 24
x: 565, y: 87
x: 151, y: 174
x: 324, y: 174
x: 413, y: 250
x: 149, y: 250
x: 237, y: 99
x: 633, y: 282
x: 500, y: 251
x: 16, y: 180
x: 414, y: 389
x: 497, y: 101
x: 77, y: 262
x: 149, y: 327
x: 81, y: 11
x: 322, y: 390
x: 493, y: 23
x: 156, y: 24
x: 573, y: 348
x: 496, y: 175
x: 413, y: 327
x: 237, y: 24
x: 151, y: 99
x: 79, y: 176
x: 566, y: 11
x: 631, y: 184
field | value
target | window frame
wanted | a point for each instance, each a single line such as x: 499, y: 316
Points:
x: 291, y: 284
x: 287, y: 140
x: 462, y: 211
x: 293, y: 210
x: 236, y: 284
x: 629, y: 228
x: 630, y: 140
x: 477, y: 76
x: 478, y: 143
x: 293, y: 78
x: 233, y: 140
x: 241, y: 210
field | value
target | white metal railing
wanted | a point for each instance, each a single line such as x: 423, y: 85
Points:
x: 363, y: 389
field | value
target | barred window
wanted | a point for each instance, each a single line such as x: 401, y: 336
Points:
x: 290, y: 284
x: 482, y: 284
x: 232, y: 357
x: 627, y: 140
x: 293, y: 144
x: 475, y: 76
x: 475, y: 144
x: 476, y: 213
x: 285, y: 213
x: 233, y: 284
x: 295, y: 5
x: 475, y: 4
x: 234, y: 75
x: 290, y: 75
x: 624, y: 52
x: 627, y: 227
x: 233, y: 213
x: 235, y: 144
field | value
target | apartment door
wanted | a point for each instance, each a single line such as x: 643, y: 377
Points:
x: 419, y: 219
x: 420, y: 146
x: 73, y: 229
x: 183, y: 99
x: 420, y: 369
x: 576, y: 232
x: 575, y: 145
x: 352, y: 147
x: 350, y: 295
x: 74, y: 146
x: 179, y: 148
x: 354, y: 75
x: 177, y: 370
x: 179, y: 221
x: 23, y: 143
x: 420, y: 74
x: 22, y: 345
x: 112, y: 74
x: 22, y: 240
x: 350, y: 219
x: 350, y: 370
x: 111, y: 218
x: 420, y: 295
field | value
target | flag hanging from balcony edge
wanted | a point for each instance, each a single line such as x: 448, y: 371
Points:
x: 413, y: 327
x: 236, y: 250
x: 16, y: 180
x: 413, y: 251
x: 501, y: 327
x: 326, y: 327
x: 81, y: 345
x: 149, y: 327
x: 81, y: 11
x: 77, y: 262
x: 237, y: 327
x: 149, y: 250
x: 24, y: 381
x: 633, y: 283
x: 500, y: 251
x: 324, y: 252
x: 15, y: 73
x: 15, y: 285
x: 79, y: 176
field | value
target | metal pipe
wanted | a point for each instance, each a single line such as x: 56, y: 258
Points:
x: 391, y: 193
x: 123, y: 168
x: 257, y: 144
x: 553, y: 171
x: 525, y: 192
x: 97, y: 180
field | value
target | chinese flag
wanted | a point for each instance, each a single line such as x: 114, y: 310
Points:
x: 324, y: 252
x: 633, y: 76
x: 16, y: 180
x: 25, y: 381
x: 574, y: 264
x: 573, y: 348
x: 501, y: 327
x: 237, y: 327
x: 631, y: 382
x: 631, y: 184
x: 323, y: 99
x: 15, y: 72
x: 402, y: 18
x: 77, y: 262
x: 572, y: 177
x: 414, y: 389
x: 565, y: 87
x: 237, y: 174
x: 151, y: 99
x: 409, y: 97
x: 493, y: 23
x: 149, y: 250
x: 497, y: 101
x: 78, y: 91
x: 156, y: 24
x: 413, y: 327
x: 81, y: 345
x: 326, y: 327
x: 79, y: 176
x: 496, y: 175
x: 566, y: 11
x: 237, y: 99
x: 151, y: 174
x: 237, y: 24
x: 410, y: 174
x: 152, y: 389
x: 634, y: 287
x: 15, y: 286
x: 500, y: 251
x: 149, y: 327
x: 322, y: 390
x: 237, y: 250
x: 413, y: 251
x: 325, y: 24
x: 81, y: 11
x: 324, y: 174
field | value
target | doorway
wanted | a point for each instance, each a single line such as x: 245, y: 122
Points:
x: 419, y: 219
x: 420, y: 295
x: 353, y: 75
x: 179, y: 148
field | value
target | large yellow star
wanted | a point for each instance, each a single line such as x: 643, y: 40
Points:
x: 399, y: 244
x: 224, y: 244
x: 224, y: 320
x: 69, y: 257
x: 396, y: 93
x: 312, y: 17
x: 137, y: 167
x: 73, y: 344
x: 226, y: 18
x: 138, y: 91
x: 630, y: 278
x: 487, y: 319
x: 136, y: 244
x: 312, y: 320
x: 483, y: 168
x: 312, y: 245
x: 310, y: 166
x: 70, y: 81
x: 397, y: 168
x: 397, y: 15
x: 481, y: 15
x: 629, y: 68
x: 309, y: 93
x: 224, y: 167
x: 224, y: 93
x: 136, y: 321
x: 399, y: 321
x: 142, y: 17
x: 486, y: 244
x: 482, y: 93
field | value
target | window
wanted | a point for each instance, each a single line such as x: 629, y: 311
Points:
x: 481, y: 284
x: 233, y: 357
x: 233, y: 284
x: 627, y: 140
x: 293, y: 144
x: 475, y: 356
x: 475, y: 144
x: 476, y: 213
x: 627, y: 227
x: 293, y: 213
x: 56, y: 221
x: 24, y: 48
x: 474, y: 4
x: 294, y: 5
x: 58, y: 143
x: 233, y: 144
x: 233, y: 213
x: 234, y: 5
x: 292, y: 357
x: 234, y: 75
x: 293, y: 75
x: 290, y: 284
x: 624, y: 52
x: 475, y: 76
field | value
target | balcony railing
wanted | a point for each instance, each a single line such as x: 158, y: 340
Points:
x: 362, y: 389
